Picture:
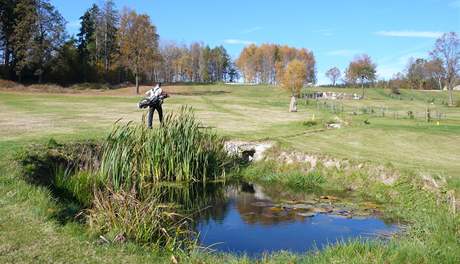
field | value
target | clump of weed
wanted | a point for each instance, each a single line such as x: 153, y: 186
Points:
x: 301, y: 181
x: 124, y: 216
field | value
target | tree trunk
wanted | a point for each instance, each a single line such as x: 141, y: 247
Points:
x: 362, y: 87
x: 451, y: 96
x: 137, y: 84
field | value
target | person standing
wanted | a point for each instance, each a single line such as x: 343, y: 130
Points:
x: 156, y: 101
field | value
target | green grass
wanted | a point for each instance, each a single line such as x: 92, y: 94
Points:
x: 30, y: 233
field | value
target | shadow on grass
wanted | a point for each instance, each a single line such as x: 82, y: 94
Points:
x: 55, y: 167
x: 199, y: 93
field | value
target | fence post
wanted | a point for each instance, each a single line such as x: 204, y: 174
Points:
x: 427, y: 114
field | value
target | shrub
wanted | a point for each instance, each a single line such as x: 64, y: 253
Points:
x: 301, y: 180
x: 10, y: 84
x: 410, y: 114
x: 310, y: 123
x: 457, y: 103
x: 88, y: 86
x: 46, y: 88
x: 395, y: 90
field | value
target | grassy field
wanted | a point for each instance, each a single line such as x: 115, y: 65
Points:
x: 238, y: 112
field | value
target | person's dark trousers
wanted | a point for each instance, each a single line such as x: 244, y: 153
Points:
x: 151, y: 110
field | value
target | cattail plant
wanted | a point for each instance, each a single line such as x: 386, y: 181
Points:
x: 135, y: 156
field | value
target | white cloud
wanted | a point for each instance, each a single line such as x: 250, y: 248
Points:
x: 251, y: 30
x: 238, y: 42
x: 343, y: 52
x: 410, y: 34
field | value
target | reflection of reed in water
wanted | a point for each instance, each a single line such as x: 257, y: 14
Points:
x: 258, y: 208
x: 253, y: 204
x: 191, y: 198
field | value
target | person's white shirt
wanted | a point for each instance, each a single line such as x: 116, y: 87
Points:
x: 154, y: 92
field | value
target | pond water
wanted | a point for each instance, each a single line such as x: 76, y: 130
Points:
x: 251, y: 219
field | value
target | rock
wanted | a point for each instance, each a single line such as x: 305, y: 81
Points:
x: 321, y: 210
x: 303, y: 206
x: 334, y: 126
x: 287, y: 206
x: 249, y: 151
x: 306, y: 214
x: 297, y: 206
x: 340, y: 216
x: 275, y: 209
x: 310, y: 202
x: 249, y: 214
x: 262, y: 204
x: 329, y: 197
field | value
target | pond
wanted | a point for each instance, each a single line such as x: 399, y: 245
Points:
x: 250, y: 219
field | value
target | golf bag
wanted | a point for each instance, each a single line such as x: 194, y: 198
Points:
x: 147, y: 102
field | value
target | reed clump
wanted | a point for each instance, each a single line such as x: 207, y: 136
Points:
x: 123, y: 216
x: 135, y: 156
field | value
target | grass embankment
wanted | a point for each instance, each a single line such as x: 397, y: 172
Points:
x: 30, y: 232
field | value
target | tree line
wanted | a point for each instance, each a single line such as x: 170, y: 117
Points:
x: 111, y: 46
x: 194, y: 63
x: 266, y: 64
x: 441, y: 70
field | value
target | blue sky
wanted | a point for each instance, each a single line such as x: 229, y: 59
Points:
x: 389, y: 31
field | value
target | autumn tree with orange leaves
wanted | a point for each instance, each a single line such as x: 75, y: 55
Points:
x: 138, y: 43
x: 265, y: 64
x: 361, y: 69
x: 294, y: 77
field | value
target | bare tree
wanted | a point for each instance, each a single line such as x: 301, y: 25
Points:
x: 435, y: 70
x: 447, y: 50
x: 333, y: 74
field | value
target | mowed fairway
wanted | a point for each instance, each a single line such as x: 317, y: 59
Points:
x: 238, y: 112
x: 254, y: 113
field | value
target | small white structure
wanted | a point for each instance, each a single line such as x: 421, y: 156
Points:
x: 293, y: 105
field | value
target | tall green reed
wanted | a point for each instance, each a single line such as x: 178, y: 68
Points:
x: 135, y: 156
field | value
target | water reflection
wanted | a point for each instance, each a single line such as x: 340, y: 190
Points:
x: 252, y: 219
